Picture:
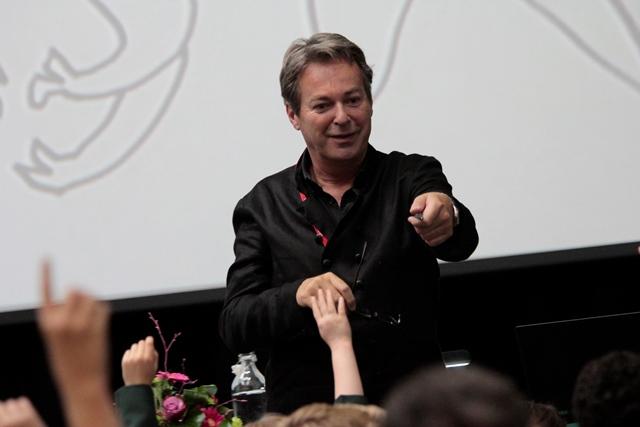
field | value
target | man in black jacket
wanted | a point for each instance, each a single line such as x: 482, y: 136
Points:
x: 348, y: 219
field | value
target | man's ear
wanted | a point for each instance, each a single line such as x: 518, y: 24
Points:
x: 293, y: 117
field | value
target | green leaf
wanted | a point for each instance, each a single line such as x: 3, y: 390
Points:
x: 157, y: 396
x: 193, y: 421
x: 161, y: 388
x: 197, y: 395
x: 211, y: 388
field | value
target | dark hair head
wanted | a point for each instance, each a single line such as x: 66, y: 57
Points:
x: 460, y: 397
x: 607, y: 391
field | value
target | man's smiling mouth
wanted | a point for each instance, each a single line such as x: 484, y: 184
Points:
x: 343, y: 135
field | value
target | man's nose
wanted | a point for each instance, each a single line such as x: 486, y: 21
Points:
x: 341, y: 117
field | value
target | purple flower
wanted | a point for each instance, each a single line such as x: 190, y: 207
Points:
x: 173, y: 408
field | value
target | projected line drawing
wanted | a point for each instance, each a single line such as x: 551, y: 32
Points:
x: 3, y: 81
x: 139, y: 79
x: 390, y: 49
x: 629, y: 26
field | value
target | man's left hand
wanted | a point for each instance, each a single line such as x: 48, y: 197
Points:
x: 436, y: 210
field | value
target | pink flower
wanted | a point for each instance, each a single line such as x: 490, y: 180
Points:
x: 173, y: 376
x: 173, y: 408
x: 212, y: 418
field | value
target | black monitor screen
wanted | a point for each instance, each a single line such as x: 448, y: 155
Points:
x: 553, y: 353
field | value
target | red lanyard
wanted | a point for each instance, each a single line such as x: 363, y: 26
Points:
x: 321, y: 237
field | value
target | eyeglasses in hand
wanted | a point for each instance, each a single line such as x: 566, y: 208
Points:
x: 393, y: 320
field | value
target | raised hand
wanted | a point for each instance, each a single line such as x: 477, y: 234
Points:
x: 335, y: 330
x: 75, y: 334
x: 140, y: 363
x: 331, y: 318
x: 19, y: 412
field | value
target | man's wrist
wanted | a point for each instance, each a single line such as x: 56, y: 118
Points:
x: 456, y: 213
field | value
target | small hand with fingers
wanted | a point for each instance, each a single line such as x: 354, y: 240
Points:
x: 335, y: 330
x: 75, y: 332
x: 140, y: 363
x: 19, y: 412
x: 331, y: 318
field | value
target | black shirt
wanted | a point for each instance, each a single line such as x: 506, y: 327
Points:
x: 277, y: 247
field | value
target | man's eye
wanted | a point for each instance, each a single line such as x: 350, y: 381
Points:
x: 320, y: 107
x: 354, y: 101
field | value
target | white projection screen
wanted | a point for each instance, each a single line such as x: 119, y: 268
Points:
x: 129, y: 129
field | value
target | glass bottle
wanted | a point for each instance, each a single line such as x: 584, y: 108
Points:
x: 248, y: 389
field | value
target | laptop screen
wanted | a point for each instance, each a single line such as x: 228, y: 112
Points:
x: 553, y: 353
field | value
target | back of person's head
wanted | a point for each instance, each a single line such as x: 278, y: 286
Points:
x: 460, y: 397
x: 320, y: 47
x: 544, y: 415
x: 344, y: 415
x: 607, y: 391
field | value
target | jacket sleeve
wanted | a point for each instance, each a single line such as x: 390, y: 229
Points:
x: 256, y: 311
x: 429, y: 177
x: 135, y: 406
x: 464, y: 241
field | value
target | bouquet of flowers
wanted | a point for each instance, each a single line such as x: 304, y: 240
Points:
x: 180, y: 403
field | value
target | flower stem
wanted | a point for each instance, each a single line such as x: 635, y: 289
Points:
x: 165, y: 347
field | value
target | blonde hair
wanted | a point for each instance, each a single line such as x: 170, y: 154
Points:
x: 268, y: 420
x: 341, y: 415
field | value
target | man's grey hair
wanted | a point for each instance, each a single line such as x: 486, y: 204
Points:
x: 320, y: 47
